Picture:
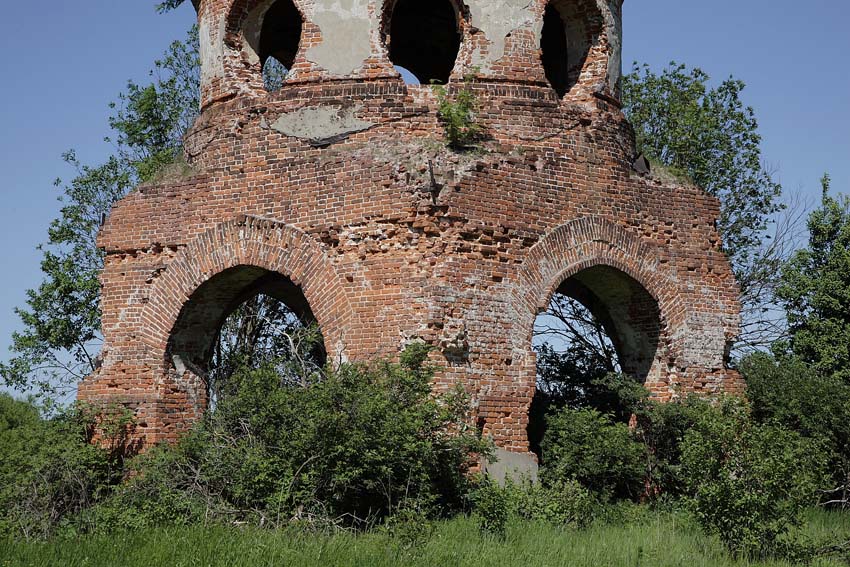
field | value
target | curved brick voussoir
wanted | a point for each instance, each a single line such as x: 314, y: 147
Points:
x: 254, y: 242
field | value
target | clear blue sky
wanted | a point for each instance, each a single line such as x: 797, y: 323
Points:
x: 62, y: 62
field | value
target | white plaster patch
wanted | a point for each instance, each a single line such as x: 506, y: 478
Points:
x: 346, y: 29
x: 614, y: 31
x: 705, y: 340
x: 498, y: 18
x: 211, y: 51
x: 321, y: 122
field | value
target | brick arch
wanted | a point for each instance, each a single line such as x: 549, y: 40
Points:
x: 254, y: 242
x: 592, y: 242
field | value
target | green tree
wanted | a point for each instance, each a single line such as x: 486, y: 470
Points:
x: 49, y: 469
x: 750, y: 483
x: 707, y: 135
x: 815, y: 290
x: 61, y: 322
x: 785, y: 391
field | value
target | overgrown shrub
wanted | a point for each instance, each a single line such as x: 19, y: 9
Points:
x: 564, y: 503
x: 352, y: 448
x: 492, y: 505
x: 787, y: 392
x: 749, y: 482
x: 49, y: 470
x: 160, y: 490
x: 589, y: 447
x: 660, y: 427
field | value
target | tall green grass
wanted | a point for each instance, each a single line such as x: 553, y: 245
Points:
x: 647, y: 539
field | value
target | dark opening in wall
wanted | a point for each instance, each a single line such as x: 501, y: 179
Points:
x: 568, y: 33
x: 423, y: 37
x: 599, y: 321
x: 246, y: 317
x: 279, y: 40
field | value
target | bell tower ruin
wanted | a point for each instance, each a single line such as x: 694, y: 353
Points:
x: 337, y: 194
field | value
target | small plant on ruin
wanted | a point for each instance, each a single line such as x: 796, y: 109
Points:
x: 458, y: 114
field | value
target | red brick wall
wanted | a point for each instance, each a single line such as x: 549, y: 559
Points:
x: 384, y: 257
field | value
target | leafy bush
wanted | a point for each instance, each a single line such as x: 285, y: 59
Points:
x: 159, y: 491
x: 787, y: 392
x: 49, y: 470
x: 563, y: 503
x: 589, y: 447
x: 492, y: 505
x: 354, y: 447
x: 750, y: 482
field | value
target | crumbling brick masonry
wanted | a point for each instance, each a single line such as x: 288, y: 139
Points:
x: 337, y: 194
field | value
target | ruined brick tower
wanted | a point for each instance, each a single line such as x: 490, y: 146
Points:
x: 337, y: 194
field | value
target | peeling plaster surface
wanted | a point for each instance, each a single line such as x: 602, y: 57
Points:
x: 211, y: 52
x: 706, y: 340
x: 346, y: 29
x: 517, y: 467
x: 321, y: 122
x: 498, y: 18
x: 614, y: 30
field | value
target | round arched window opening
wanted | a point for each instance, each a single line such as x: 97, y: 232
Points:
x: 600, y: 322
x: 423, y: 37
x: 247, y: 318
x: 280, y: 36
x: 565, y: 41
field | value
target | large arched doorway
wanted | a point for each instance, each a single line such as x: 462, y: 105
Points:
x: 245, y: 317
x: 599, y: 322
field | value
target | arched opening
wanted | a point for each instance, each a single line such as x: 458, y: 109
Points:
x: 280, y: 36
x: 423, y: 37
x: 600, y: 322
x: 246, y: 317
x: 569, y: 31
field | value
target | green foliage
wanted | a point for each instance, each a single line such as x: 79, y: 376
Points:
x: 564, y: 503
x: 651, y: 444
x: 61, y: 322
x: 661, y: 429
x: 158, y: 492
x: 49, y: 470
x: 411, y: 528
x: 169, y: 5
x: 815, y: 290
x: 589, y: 447
x: 750, y: 482
x: 491, y: 507
x: 353, y: 448
x: 708, y: 135
x: 785, y: 391
x: 458, y: 113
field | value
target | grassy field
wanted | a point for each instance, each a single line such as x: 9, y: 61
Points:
x: 655, y: 540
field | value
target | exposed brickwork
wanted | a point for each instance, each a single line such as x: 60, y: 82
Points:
x: 387, y: 249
